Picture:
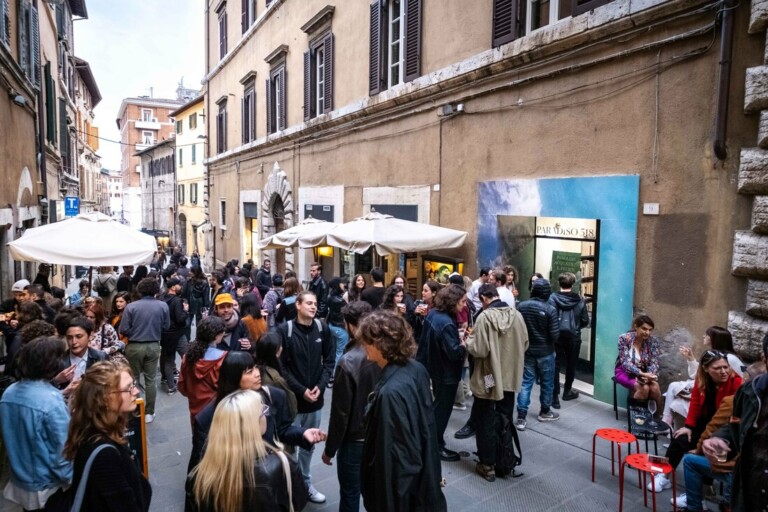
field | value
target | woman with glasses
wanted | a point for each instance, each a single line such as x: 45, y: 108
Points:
x: 101, y: 406
x: 714, y: 381
x: 677, y: 397
x: 240, y: 469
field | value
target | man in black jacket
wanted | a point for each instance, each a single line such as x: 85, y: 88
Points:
x: 262, y: 279
x: 174, y: 339
x: 543, y: 331
x: 356, y: 378
x: 308, y: 358
x: 573, y: 315
x: 319, y: 287
x: 37, y: 294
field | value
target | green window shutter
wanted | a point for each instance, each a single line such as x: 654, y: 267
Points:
x: 64, y: 136
x: 50, y: 105
x: 5, y: 22
x: 194, y: 153
x: 23, y: 36
x: 34, y: 47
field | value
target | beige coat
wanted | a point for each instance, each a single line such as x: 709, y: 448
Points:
x: 498, y: 344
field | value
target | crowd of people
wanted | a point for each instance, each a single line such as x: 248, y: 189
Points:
x: 265, y: 350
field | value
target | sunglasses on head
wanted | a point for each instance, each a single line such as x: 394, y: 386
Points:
x: 712, y: 355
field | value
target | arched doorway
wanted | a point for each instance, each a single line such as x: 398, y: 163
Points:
x: 183, y: 232
x: 277, y: 215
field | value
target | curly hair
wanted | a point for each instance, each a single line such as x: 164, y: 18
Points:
x: 148, y: 287
x: 29, y: 311
x: 35, y: 329
x: 94, y: 415
x: 389, y: 297
x: 389, y: 333
x: 207, y: 330
x: 448, y: 298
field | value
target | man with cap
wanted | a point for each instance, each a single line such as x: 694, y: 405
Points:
x: 174, y: 339
x: 143, y: 323
x: 236, y: 334
x: 19, y: 291
x: 543, y: 324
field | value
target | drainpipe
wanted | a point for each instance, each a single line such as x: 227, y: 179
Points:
x: 724, y: 84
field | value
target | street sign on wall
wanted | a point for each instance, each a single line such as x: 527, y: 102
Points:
x: 71, y: 206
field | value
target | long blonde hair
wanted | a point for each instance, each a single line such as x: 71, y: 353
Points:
x: 225, y: 474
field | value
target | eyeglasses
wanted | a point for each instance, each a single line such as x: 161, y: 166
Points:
x: 129, y: 390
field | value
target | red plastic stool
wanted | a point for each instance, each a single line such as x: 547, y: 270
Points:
x: 639, y: 461
x: 617, y: 436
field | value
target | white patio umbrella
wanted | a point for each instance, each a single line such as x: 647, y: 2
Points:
x: 306, y: 234
x: 390, y: 235
x: 90, y: 240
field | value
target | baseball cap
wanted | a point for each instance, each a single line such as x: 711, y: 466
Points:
x: 223, y: 298
x: 19, y: 286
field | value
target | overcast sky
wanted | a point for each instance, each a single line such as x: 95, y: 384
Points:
x: 137, y: 44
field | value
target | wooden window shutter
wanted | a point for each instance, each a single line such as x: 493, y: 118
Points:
x: 63, y: 132
x: 243, y: 121
x: 270, y: 108
x: 50, y: 105
x: 308, y: 87
x: 244, y: 16
x: 412, y: 40
x: 5, y: 20
x: 23, y: 36
x: 34, y: 47
x: 376, y: 74
x: 282, y: 115
x: 328, y: 100
x: 504, y: 21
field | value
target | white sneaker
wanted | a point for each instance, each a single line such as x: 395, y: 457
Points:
x: 316, y: 496
x: 149, y: 418
x: 682, y: 502
x: 661, y: 482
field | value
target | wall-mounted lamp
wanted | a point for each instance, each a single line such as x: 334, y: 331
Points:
x: 17, y: 98
x: 325, y: 250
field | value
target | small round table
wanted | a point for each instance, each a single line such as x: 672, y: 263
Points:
x: 645, y: 427
x: 616, y: 436
x: 640, y: 462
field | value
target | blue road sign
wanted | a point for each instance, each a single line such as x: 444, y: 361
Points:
x: 71, y: 206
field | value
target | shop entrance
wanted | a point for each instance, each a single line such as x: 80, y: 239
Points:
x: 550, y: 246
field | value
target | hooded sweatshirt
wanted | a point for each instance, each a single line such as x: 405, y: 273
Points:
x: 572, y: 313
x: 198, y: 382
x: 541, y: 320
x: 498, y: 344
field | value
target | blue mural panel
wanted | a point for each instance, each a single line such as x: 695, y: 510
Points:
x: 611, y: 199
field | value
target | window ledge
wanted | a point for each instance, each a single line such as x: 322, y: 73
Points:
x: 318, y: 20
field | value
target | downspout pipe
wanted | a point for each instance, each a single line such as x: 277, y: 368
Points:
x: 724, y: 84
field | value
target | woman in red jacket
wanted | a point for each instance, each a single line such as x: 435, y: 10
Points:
x: 715, y: 380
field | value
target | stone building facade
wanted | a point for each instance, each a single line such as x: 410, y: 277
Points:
x: 158, y: 191
x: 596, y: 134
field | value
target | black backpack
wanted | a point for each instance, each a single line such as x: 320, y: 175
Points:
x: 507, y: 442
x: 101, y: 288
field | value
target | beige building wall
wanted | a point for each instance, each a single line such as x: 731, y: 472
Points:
x: 190, y: 173
x: 598, y: 94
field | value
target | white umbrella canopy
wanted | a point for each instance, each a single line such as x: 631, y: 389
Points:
x: 306, y: 234
x: 390, y: 235
x: 90, y: 239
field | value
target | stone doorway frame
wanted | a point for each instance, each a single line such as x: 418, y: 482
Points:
x: 277, y: 187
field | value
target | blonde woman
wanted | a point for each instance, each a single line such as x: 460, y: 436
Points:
x: 239, y: 471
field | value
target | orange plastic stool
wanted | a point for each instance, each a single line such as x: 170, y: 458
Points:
x: 639, y: 461
x: 617, y: 436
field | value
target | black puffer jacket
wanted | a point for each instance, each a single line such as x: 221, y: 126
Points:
x: 541, y: 319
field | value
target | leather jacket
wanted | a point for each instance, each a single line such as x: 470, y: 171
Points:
x: 356, y: 378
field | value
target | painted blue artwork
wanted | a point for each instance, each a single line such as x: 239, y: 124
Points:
x: 611, y: 199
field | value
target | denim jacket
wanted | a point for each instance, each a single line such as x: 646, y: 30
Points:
x: 34, y: 421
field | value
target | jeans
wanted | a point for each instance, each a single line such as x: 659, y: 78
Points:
x: 568, y: 355
x: 442, y: 407
x: 168, y: 360
x: 341, y: 338
x: 143, y: 358
x: 486, y: 425
x: 697, y: 468
x: 307, y: 420
x: 544, y: 368
x: 348, y: 470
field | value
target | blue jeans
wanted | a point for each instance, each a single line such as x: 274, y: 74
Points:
x: 544, y: 368
x: 307, y: 420
x: 341, y: 338
x: 348, y: 469
x: 697, y: 468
